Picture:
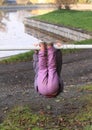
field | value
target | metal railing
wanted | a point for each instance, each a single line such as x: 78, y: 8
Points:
x: 65, y: 46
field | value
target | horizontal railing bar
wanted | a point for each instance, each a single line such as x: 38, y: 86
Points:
x: 67, y: 46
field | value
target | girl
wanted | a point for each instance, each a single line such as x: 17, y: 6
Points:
x: 47, y: 65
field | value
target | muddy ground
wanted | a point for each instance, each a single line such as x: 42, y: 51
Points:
x: 16, y: 84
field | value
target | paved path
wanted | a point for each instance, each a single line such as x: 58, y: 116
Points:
x: 16, y: 82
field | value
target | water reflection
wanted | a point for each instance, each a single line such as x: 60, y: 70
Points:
x: 12, y: 31
x: 3, y: 16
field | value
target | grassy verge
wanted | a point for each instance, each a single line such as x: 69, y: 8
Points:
x: 19, y: 58
x: 71, y: 18
x: 23, y: 118
x: 85, y: 42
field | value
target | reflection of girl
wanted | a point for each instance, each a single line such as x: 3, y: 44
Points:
x: 47, y: 65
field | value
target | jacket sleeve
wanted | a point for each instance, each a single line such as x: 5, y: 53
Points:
x: 59, y: 61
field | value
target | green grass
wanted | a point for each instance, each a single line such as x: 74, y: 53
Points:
x: 19, y: 57
x: 84, y: 42
x: 23, y: 118
x: 70, y: 18
x: 88, y: 127
x: 87, y: 88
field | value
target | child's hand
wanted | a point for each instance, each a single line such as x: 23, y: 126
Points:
x: 58, y: 44
x: 36, y: 44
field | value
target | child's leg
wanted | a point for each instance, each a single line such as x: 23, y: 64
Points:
x: 48, y: 78
x: 43, y: 71
x: 53, y: 78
